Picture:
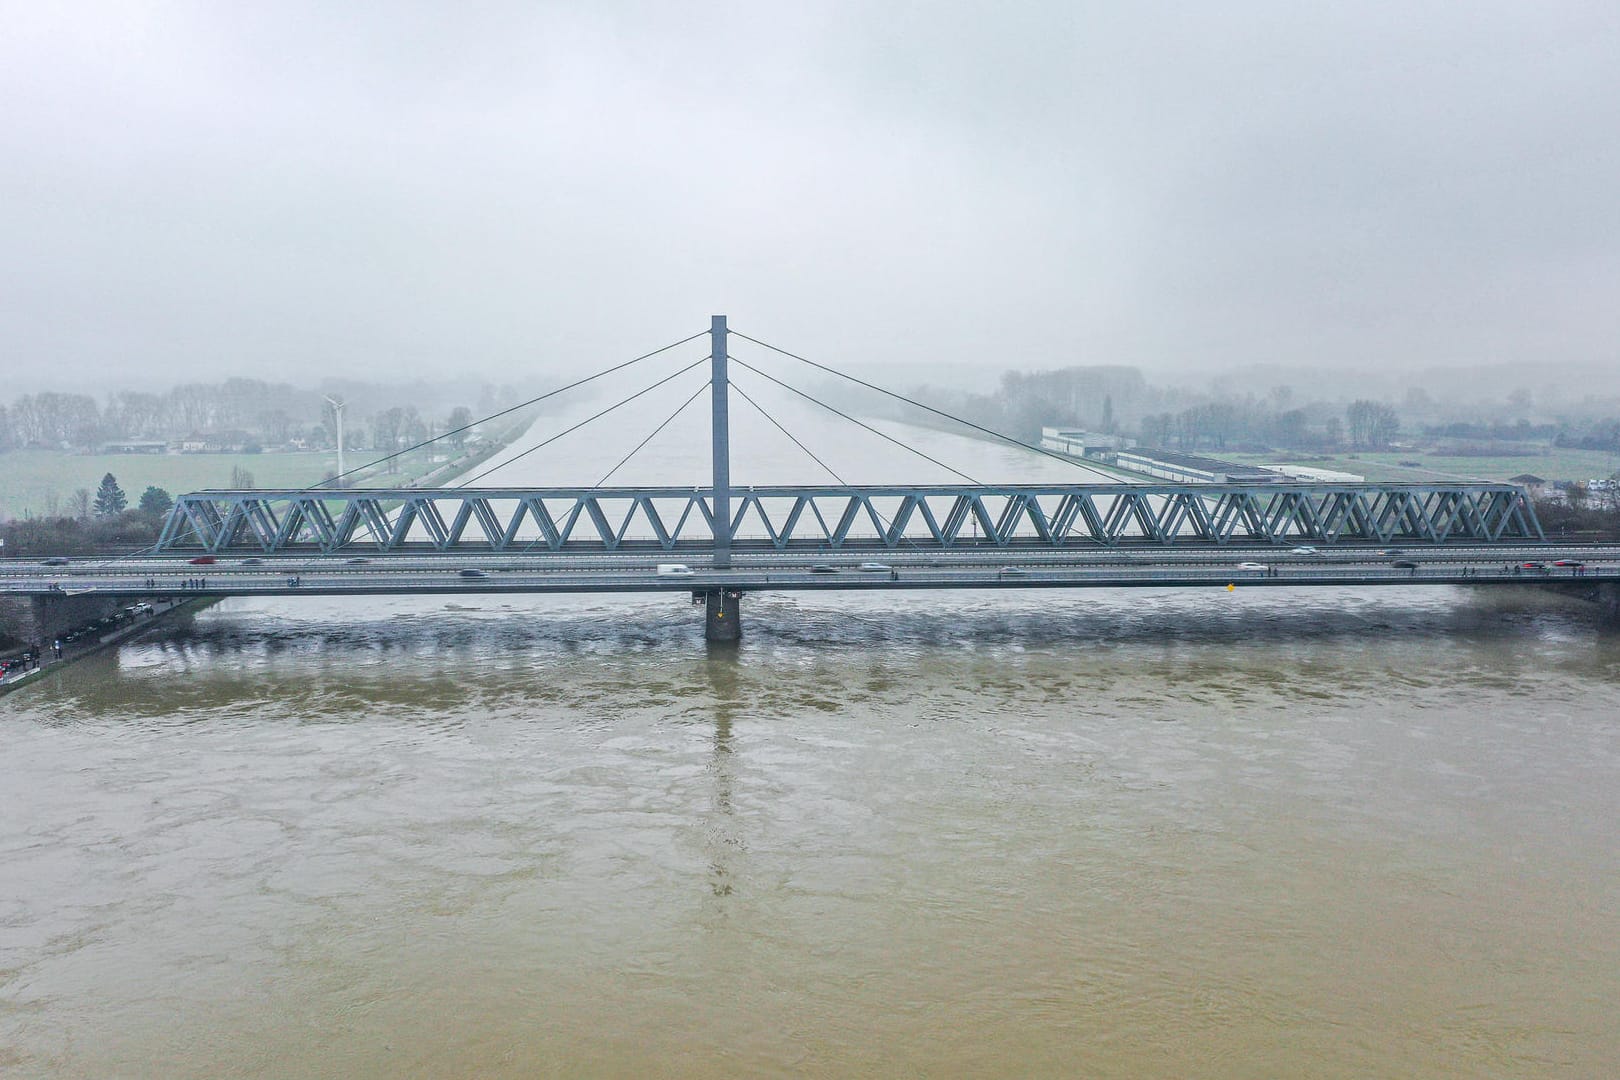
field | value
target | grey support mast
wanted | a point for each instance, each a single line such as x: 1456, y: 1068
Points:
x: 722, y: 607
x: 722, y: 441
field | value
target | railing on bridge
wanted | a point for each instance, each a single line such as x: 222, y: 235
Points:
x: 804, y: 518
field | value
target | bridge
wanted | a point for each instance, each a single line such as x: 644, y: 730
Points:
x: 719, y: 542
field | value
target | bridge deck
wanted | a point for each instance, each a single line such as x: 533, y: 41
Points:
x: 456, y: 574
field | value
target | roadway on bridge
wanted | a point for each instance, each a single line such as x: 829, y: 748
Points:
x: 463, y: 573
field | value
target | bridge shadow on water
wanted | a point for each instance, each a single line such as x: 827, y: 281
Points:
x: 433, y: 663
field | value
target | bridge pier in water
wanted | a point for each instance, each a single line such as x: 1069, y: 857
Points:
x: 722, y: 615
x: 1608, y: 598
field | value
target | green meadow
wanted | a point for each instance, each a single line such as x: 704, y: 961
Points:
x: 40, y: 482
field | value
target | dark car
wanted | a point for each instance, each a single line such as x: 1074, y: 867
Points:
x: 1532, y: 565
x: 54, y: 560
x: 1404, y: 564
x: 252, y: 562
x: 473, y: 571
x: 823, y: 568
x: 1568, y: 562
x: 358, y: 559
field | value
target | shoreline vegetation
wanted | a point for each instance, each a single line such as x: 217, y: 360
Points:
x: 115, y: 528
x: 111, y: 527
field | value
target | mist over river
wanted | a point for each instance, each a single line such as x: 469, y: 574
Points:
x: 1323, y: 833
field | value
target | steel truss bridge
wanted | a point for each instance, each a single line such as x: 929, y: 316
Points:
x: 719, y: 541
x: 681, y: 521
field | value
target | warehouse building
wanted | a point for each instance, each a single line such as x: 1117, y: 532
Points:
x: 1192, y: 468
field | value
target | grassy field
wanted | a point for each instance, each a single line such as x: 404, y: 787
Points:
x: 1550, y: 464
x: 31, y: 479
x: 39, y: 483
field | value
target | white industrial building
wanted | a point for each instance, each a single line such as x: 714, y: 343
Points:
x: 1192, y: 468
x: 1078, y: 443
x: 1321, y: 476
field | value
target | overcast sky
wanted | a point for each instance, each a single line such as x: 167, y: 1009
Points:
x: 294, y: 190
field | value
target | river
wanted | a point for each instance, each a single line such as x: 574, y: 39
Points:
x: 1325, y: 833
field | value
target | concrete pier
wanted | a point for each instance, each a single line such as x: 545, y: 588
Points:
x: 1608, y: 598
x: 722, y: 615
x: 1605, y: 594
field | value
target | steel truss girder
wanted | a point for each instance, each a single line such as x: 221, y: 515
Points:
x: 943, y: 518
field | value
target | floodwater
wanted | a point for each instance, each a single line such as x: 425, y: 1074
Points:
x: 1333, y: 833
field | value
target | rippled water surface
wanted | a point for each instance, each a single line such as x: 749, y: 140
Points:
x: 1327, y: 833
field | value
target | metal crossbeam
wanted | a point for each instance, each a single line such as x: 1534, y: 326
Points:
x: 799, y: 518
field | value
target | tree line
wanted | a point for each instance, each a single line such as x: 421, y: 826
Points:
x: 1120, y: 400
x: 255, y: 414
x: 97, y: 521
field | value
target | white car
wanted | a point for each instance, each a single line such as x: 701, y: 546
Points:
x: 1252, y: 566
x: 876, y: 567
x: 1306, y: 550
x: 674, y: 569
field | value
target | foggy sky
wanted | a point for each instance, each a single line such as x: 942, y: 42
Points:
x: 293, y: 191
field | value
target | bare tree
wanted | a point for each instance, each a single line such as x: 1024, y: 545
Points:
x: 385, y: 428
x: 460, y: 417
x: 26, y: 422
x: 275, y: 425
x: 413, y: 428
x: 78, y: 504
x: 1371, y: 423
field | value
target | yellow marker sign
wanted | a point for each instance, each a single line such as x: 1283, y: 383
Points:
x: 1230, y: 587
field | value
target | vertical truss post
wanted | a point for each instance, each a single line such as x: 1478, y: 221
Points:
x: 722, y: 441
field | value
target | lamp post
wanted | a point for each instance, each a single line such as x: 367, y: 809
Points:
x: 337, y: 408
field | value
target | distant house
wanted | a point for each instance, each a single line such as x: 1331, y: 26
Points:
x: 216, y: 442
x: 135, y: 446
x: 1530, y: 482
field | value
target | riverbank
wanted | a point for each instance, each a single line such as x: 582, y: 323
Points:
x: 29, y: 662
x: 46, y: 657
x: 485, y: 451
x: 945, y: 427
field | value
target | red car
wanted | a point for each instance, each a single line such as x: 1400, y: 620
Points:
x: 1568, y: 562
x: 203, y: 560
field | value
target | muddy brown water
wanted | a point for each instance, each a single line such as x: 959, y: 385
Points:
x: 1327, y: 833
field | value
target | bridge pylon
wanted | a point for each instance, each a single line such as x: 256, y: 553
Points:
x: 719, y: 384
x: 722, y: 608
